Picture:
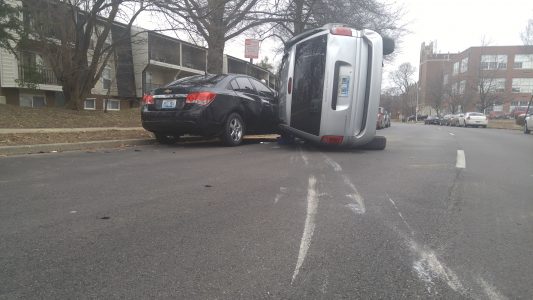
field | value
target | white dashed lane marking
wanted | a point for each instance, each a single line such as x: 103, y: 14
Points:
x: 461, y: 160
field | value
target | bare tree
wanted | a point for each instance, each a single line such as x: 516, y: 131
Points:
x: 11, y: 29
x: 406, y: 87
x: 436, y: 92
x: 527, y: 34
x: 488, y: 85
x: 79, y: 44
x: 217, y: 21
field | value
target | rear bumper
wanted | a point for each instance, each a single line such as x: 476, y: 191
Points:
x: 476, y: 122
x: 180, y: 122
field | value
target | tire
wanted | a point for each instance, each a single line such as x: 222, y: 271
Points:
x: 378, y: 143
x: 526, y: 130
x: 234, y: 129
x: 166, y: 139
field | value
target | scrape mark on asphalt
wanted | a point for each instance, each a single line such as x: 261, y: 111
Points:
x: 309, y: 228
x: 461, y: 160
x: 490, y: 290
x: 304, y: 157
x: 282, y: 190
x: 401, y: 216
x: 355, y: 196
x: 428, y: 268
x: 332, y: 163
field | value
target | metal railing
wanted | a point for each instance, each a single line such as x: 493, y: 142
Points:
x: 37, y: 75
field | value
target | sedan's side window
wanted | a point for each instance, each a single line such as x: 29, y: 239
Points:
x: 233, y: 85
x: 245, y: 85
x: 262, y: 89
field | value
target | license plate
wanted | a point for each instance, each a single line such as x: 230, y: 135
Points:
x: 171, y: 103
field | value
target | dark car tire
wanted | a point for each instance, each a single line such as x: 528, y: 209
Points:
x: 378, y: 143
x: 166, y: 139
x: 234, y: 129
x: 526, y: 130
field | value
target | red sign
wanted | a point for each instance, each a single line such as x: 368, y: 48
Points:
x: 251, y: 48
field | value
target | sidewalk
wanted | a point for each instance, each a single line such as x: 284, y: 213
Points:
x: 63, y: 130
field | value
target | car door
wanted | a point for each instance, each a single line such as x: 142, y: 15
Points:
x: 249, y: 101
x: 268, y: 121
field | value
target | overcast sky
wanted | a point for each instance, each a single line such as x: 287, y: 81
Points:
x: 455, y: 25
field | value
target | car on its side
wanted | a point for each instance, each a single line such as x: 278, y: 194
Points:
x: 212, y: 105
x: 476, y: 119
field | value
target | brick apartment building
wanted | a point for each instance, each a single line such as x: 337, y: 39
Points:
x: 503, y: 74
x: 148, y: 61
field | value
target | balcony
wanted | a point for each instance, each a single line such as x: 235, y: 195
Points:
x: 193, y: 58
x: 29, y: 74
x: 164, y: 50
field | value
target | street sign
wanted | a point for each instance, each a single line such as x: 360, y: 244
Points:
x: 251, y: 48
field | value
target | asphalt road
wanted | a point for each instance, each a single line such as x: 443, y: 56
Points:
x: 201, y: 221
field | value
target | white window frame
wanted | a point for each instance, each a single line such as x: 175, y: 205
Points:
x: 108, y: 101
x: 526, y: 59
x: 89, y: 99
x: 456, y: 68
x: 519, y: 85
x: 33, y: 99
x: 462, y: 87
x: 494, y: 62
x: 464, y: 65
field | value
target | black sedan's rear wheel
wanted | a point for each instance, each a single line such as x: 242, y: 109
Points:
x: 233, y: 130
x: 166, y: 139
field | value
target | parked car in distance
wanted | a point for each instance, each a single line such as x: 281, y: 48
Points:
x: 432, y: 120
x: 528, y: 120
x: 380, y: 121
x: 496, y: 115
x: 475, y: 119
x: 445, y: 121
x: 226, y: 105
x: 454, y: 120
x: 387, y: 119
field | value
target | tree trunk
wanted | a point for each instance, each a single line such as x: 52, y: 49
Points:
x: 215, y: 54
x: 74, y: 95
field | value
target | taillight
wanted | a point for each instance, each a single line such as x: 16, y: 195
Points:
x: 200, y: 98
x: 332, y: 139
x: 148, y: 99
x: 289, y: 86
x: 341, y: 31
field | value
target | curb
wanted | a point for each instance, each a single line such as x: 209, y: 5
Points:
x: 44, y: 148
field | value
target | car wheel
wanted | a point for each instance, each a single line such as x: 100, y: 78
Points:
x: 167, y: 139
x: 378, y: 143
x: 233, y: 130
x: 526, y: 130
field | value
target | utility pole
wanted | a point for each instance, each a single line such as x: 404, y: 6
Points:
x: 416, y: 109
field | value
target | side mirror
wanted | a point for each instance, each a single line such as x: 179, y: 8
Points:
x: 388, y: 45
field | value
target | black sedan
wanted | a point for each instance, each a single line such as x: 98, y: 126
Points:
x: 226, y: 105
x: 432, y: 120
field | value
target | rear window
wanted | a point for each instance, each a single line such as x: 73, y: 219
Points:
x: 204, y: 80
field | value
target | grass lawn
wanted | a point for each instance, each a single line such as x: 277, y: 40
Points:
x: 23, y: 117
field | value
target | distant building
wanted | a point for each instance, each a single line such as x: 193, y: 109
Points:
x: 503, y: 75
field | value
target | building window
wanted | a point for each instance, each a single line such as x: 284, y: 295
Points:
x: 456, y: 68
x: 89, y: 104
x: 522, y: 85
x: 445, y: 80
x: 113, y: 104
x: 493, y: 62
x: 464, y: 65
x: 106, y: 77
x: 462, y: 87
x: 493, y: 85
x: 523, y: 61
x: 454, y: 88
x: 34, y: 101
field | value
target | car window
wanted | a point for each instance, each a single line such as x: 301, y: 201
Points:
x: 476, y: 114
x: 204, y: 80
x: 233, y: 85
x: 245, y: 85
x: 261, y: 88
